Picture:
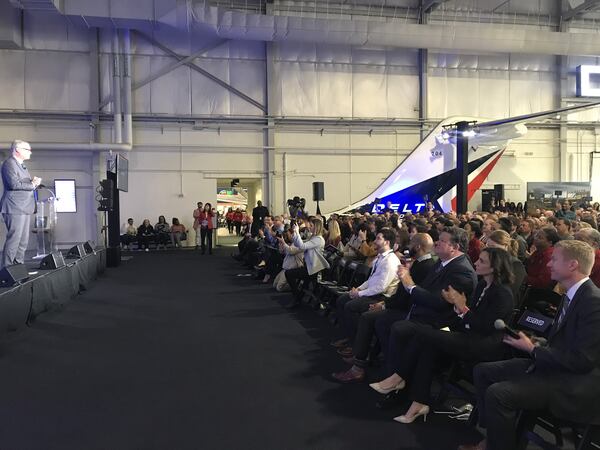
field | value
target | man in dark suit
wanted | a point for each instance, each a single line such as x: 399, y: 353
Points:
x: 562, y: 377
x: 17, y: 203
x: 390, y: 309
x: 427, y: 305
x: 258, y: 217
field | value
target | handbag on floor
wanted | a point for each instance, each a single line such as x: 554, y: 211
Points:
x: 280, y: 283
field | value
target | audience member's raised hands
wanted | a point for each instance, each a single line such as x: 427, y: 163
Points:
x: 362, y: 235
x: 452, y: 296
x: 403, y: 274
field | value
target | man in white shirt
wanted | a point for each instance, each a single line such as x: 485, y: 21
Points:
x: 381, y: 282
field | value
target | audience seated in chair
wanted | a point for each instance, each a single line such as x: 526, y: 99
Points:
x: 427, y: 306
x: 162, y: 232
x: 178, y: 233
x: 314, y: 261
x: 562, y: 376
x: 128, y: 234
x: 145, y: 235
x: 381, y: 283
x: 390, y: 309
x: 473, y: 336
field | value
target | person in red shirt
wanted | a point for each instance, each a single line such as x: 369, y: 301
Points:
x: 205, y: 221
x: 592, y: 237
x: 538, y: 272
x: 474, y: 248
x: 229, y: 220
x: 197, y: 212
x: 238, y: 217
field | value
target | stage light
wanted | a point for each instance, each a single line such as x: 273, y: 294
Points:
x: 445, y: 135
x: 469, y: 133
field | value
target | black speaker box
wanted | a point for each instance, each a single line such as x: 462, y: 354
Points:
x: 77, y: 251
x: 89, y: 247
x: 11, y: 275
x: 318, y: 191
x: 52, y: 261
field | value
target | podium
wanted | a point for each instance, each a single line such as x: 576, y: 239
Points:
x: 44, y: 223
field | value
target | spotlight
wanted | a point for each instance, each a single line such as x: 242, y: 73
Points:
x: 445, y: 135
x: 469, y: 133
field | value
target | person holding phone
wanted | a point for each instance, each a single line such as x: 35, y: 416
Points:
x: 425, y: 303
x: 314, y: 261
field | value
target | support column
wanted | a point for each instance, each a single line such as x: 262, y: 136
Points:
x: 563, y: 139
x: 462, y: 167
x: 269, y: 134
x: 97, y: 158
x: 118, y: 137
x: 423, y: 76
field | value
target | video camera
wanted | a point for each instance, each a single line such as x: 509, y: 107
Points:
x: 296, y: 206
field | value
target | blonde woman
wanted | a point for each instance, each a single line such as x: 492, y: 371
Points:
x: 334, y: 235
x: 314, y: 261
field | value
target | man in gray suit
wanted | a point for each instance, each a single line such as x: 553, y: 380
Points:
x: 17, y: 203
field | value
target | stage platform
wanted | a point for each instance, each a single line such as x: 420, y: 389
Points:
x: 47, y: 290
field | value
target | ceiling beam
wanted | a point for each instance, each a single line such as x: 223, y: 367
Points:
x: 430, y: 5
x: 585, y: 6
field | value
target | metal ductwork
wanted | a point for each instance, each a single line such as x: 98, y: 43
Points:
x: 450, y: 37
x: 454, y: 37
x: 36, y: 5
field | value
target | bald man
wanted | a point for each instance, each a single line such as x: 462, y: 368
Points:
x: 17, y: 203
x: 383, y: 314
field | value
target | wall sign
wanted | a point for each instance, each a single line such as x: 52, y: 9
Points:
x: 585, y: 87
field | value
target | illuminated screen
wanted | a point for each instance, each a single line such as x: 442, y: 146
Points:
x: 122, y: 173
x: 65, y: 196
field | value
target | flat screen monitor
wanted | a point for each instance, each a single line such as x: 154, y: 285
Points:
x: 66, y: 200
x: 122, y: 173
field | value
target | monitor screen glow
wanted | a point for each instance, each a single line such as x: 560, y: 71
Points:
x: 66, y: 200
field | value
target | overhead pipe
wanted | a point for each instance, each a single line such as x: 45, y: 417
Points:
x: 127, y: 100
x: 119, y: 103
x: 229, y: 24
x: 117, y: 135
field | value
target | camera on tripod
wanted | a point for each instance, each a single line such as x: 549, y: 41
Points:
x: 296, y: 207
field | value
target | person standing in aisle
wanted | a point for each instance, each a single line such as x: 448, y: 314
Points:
x: 206, y: 224
x: 196, y: 225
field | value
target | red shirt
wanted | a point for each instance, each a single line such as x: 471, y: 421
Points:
x: 238, y: 217
x: 205, y: 220
x: 538, y: 272
x: 595, y: 275
x: 229, y: 215
x: 474, y: 249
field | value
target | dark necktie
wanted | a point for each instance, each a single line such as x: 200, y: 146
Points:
x: 563, y: 310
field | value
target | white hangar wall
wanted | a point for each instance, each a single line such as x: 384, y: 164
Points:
x: 178, y: 155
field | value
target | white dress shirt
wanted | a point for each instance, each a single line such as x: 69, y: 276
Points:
x: 383, y: 279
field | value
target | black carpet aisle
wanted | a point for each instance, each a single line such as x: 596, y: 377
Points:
x: 173, y: 351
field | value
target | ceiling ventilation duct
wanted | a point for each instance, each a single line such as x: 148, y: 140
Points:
x: 37, y: 5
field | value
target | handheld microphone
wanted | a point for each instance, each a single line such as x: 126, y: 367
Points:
x: 500, y: 325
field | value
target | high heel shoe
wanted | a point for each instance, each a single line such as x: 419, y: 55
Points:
x: 398, y: 387
x: 406, y: 419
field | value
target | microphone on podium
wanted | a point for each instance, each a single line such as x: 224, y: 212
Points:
x: 500, y: 325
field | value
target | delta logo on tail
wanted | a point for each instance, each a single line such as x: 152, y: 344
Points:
x: 429, y: 174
